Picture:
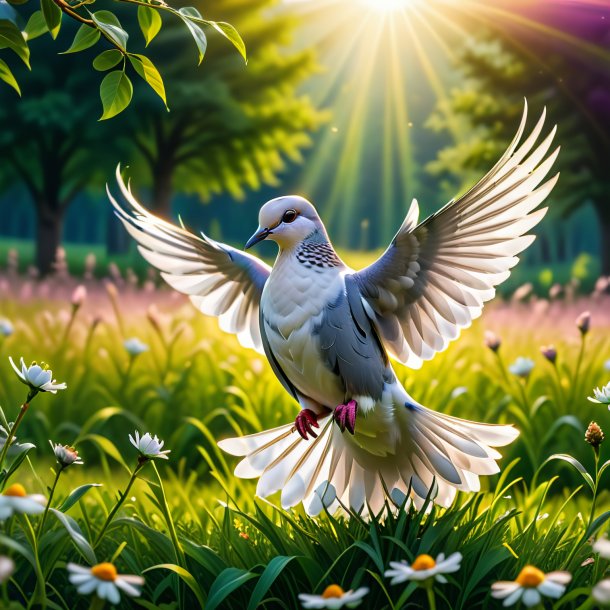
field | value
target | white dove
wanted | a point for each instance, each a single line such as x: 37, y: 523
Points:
x: 329, y: 332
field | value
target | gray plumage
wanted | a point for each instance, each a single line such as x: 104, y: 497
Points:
x: 350, y: 346
x: 328, y: 332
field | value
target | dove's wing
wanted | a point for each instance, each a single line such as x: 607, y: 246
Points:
x: 434, y: 277
x: 220, y: 280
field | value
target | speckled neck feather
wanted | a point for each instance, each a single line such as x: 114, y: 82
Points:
x: 313, y: 253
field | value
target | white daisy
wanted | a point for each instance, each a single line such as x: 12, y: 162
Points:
x: 607, y: 365
x: 334, y: 597
x: 522, y: 367
x: 37, y: 378
x: 6, y: 328
x: 423, y: 568
x: 530, y: 586
x: 602, y: 547
x: 14, y: 499
x: 134, y: 346
x: 7, y: 567
x: 601, y: 396
x: 65, y: 455
x: 601, y: 592
x: 149, y: 446
x: 104, y: 580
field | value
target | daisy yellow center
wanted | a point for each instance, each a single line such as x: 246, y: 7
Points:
x: 16, y: 490
x: 423, y: 562
x: 333, y: 591
x: 530, y: 577
x: 104, y: 571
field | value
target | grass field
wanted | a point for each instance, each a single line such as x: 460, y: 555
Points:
x: 200, y: 537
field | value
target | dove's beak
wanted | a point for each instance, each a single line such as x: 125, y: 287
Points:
x: 258, y: 236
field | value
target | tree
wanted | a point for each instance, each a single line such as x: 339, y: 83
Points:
x: 484, y: 109
x: 50, y: 144
x: 230, y: 127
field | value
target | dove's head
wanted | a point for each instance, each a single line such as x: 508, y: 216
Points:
x: 287, y: 221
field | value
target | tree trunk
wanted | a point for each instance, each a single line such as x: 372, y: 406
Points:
x: 163, y: 175
x: 48, y: 236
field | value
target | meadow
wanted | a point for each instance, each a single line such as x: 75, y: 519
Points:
x: 200, y: 537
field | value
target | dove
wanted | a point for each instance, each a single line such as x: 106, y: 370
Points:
x: 332, y: 335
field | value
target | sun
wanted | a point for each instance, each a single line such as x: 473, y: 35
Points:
x: 387, y: 6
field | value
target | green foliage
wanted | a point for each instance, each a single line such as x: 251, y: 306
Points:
x: 230, y: 128
x: 481, y: 115
x: 105, y: 25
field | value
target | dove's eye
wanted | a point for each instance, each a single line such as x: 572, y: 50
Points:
x: 289, y: 216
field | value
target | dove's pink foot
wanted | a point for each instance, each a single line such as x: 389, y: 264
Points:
x: 304, y: 423
x: 345, y: 416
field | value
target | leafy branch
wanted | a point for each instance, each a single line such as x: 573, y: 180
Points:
x: 116, y: 89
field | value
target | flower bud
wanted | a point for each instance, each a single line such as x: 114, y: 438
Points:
x: 549, y: 352
x: 583, y: 322
x: 594, y: 435
x: 492, y: 341
x: 65, y: 455
x: 78, y: 296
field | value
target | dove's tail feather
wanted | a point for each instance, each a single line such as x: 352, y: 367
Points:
x: 431, y: 450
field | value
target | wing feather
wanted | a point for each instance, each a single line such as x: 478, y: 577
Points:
x: 220, y: 280
x: 434, y: 278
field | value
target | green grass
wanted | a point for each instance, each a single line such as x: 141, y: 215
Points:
x: 232, y: 550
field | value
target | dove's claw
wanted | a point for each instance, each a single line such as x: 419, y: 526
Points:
x: 304, y: 423
x: 345, y: 416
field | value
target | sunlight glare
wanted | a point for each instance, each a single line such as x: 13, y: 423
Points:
x: 387, y: 6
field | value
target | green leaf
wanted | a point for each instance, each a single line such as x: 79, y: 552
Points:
x: 186, y: 576
x: 226, y: 582
x: 76, y: 495
x: 104, y: 444
x: 207, y: 558
x: 573, y: 462
x: 36, y: 26
x: 52, y: 16
x: 24, y: 551
x: 86, y: 37
x: 150, y: 22
x: 11, y: 37
x: 603, y: 468
x: 74, y: 531
x: 7, y: 76
x: 107, y: 59
x: 17, y: 454
x: 103, y: 415
x: 231, y: 34
x: 116, y: 91
x: 268, y: 577
x: 198, y: 34
x: 111, y: 26
x: 146, y: 69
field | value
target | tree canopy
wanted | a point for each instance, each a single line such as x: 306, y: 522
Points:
x: 231, y: 126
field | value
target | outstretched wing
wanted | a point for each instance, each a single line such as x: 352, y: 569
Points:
x: 220, y: 280
x: 434, y: 277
